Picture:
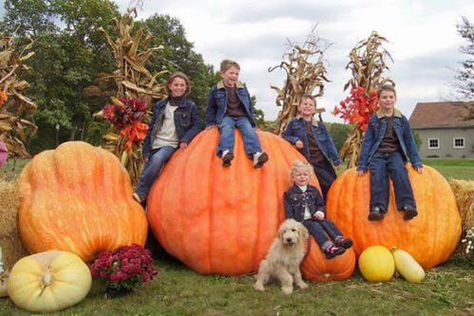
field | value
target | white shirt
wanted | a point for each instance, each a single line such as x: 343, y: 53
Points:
x: 167, y: 135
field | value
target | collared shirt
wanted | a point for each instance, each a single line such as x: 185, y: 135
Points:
x: 167, y: 134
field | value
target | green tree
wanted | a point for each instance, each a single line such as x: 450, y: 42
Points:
x: 465, y: 75
x: 339, y: 133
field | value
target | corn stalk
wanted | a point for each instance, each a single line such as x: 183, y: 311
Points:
x: 305, y: 74
x: 133, y: 80
x: 368, y: 61
x: 14, y: 105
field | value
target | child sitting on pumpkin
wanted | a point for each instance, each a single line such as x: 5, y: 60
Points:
x: 388, y: 144
x: 304, y: 203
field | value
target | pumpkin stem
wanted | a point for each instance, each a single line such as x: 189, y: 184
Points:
x: 46, y: 279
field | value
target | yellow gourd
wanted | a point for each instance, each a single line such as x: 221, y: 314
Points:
x: 376, y: 264
x: 407, y: 266
x: 49, y: 281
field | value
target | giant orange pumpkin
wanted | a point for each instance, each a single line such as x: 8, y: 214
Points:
x: 221, y: 220
x: 78, y: 198
x: 430, y: 238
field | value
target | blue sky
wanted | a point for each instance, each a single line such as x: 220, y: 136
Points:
x: 422, y: 34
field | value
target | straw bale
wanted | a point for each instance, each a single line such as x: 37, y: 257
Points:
x: 10, y: 242
x: 464, y: 193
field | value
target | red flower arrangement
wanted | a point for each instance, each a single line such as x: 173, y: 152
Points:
x: 125, y: 268
x: 358, y: 108
x: 3, y: 98
x: 127, y: 118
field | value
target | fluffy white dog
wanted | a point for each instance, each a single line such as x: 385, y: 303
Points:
x: 284, y: 257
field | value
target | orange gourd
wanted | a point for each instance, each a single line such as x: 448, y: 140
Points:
x: 78, y: 198
x: 316, y: 267
x: 220, y: 220
x: 430, y: 238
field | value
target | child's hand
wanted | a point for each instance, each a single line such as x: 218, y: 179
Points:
x: 183, y: 145
x: 420, y: 170
x: 319, y: 215
x: 299, y: 144
x: 339, y: 167
x: 360, y: 173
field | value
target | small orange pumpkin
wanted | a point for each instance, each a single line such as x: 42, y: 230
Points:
x: 430, y: 238
x: 78, y: 198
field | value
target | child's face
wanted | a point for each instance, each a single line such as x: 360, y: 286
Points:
x: 307, y: 108
x: 387, y: 100
x: 230, y: 76
x: 301, y: 177
x: 178, y: 87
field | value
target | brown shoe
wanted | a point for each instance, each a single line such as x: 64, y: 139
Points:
x: 260, y: 160
x: 227, y: 159
x: 375, y: 215
x: 410, y: 213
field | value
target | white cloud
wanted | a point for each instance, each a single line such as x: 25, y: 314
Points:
x: 422, y: 35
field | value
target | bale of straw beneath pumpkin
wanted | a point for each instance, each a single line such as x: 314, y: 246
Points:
x: 464, y: 193
x: 10, y: 241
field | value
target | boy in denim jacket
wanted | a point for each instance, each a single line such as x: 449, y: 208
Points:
x: 304, y: 203
x: 388, y: 144
x: 229, y: 107
x: 312, y: 139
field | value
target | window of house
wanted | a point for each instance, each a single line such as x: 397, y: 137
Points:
x: 458, y: 142
x: 433, y: 143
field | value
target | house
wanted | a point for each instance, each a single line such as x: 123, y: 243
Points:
x: 446, y: 129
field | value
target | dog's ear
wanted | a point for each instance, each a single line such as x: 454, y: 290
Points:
x: 304, y: 232
x: 281, y: 231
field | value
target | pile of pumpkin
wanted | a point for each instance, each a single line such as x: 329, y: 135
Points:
x: 78, y: 199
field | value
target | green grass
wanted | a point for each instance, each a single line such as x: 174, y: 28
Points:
x: 453, y: 168
x: 448, y: 289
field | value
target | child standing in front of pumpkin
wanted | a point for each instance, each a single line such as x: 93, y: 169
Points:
x: 304, y: 203
x: 229, y: 107
x: 312, y: 139
x: 388, y: 144
x: 174, y: 124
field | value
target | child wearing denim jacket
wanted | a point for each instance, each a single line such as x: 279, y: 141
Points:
x: 174, y: 124
x: 229, y: 107
x: 304, y: 203
x: 388, y: 144
x: 312, y: 139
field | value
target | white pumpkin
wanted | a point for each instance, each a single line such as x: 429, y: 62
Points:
x: 407, y: 266
x: 49, y: 281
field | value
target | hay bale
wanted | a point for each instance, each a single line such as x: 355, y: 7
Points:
x: 9, y: 238
x: 464, y: 193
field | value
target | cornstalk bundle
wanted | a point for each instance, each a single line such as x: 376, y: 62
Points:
x: 368, y: 61
x: 305, y: 72
x: 14, y: 105
x: 135, y: 84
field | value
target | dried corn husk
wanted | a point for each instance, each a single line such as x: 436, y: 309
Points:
x: 305, y: 75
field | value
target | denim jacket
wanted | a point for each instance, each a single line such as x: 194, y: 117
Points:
x: 296, y: 130
x: 217, y: 104
x: 296, y: 199
x: 186, y: 120
x: 376, y: 132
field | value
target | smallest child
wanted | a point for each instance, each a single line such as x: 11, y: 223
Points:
x: 304, y: 203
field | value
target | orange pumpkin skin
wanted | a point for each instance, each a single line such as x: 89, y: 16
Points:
x: 430, y: 238
x: 220, y: 220
x: 78, y: 198
x: 317, y: 268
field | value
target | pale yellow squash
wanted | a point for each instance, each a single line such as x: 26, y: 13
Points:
x: 376, y: 264
x: 49, y: 281
x: 407, y: 266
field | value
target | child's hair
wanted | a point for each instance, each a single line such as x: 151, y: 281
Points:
x: 227, y: 63
x: 308, y: 96
x: 181, y: 75
x: 386, y: 87
x: 298, y: 164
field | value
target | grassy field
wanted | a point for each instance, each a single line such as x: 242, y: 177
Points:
x: 448, y: 289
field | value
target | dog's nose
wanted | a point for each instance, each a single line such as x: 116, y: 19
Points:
x: 289, y: 240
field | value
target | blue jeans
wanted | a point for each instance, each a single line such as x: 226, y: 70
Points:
x: 249, y: 135
x: 383, y: 166
x: 153, y: 167
x: 324, y: 232
x: 326, y: 176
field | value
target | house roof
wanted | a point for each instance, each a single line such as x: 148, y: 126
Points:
x: 442, y: 115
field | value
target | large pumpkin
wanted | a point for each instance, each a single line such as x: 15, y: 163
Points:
x: 316, y: 267
x: 78, y: 198
x: 49, y: 281
x: 221, y: 220
x: 430, y: 238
